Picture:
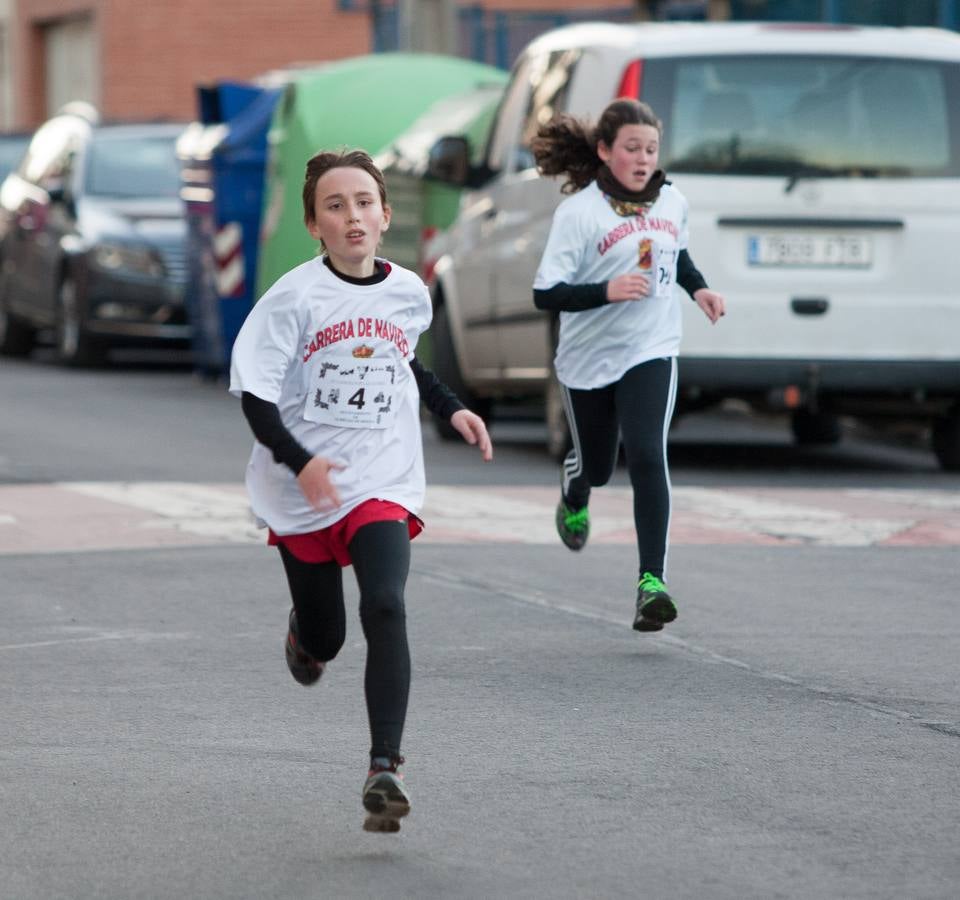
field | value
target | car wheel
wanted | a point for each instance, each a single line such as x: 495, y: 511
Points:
x: 75, y: 347
x: 815, y: 428
x: 946, y: 440
x: 16, y: 337
x: 559, y: 441
x: 447, y: 369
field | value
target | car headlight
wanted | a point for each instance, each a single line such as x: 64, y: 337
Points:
x: 128, y: 258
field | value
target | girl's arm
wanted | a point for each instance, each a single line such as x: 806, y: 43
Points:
x: 268, y: 428
x: 564, y: 297
x: 688, y: 275
x: 579, y: 297
x: 690, y: 279
x: 436, y: 396
x: 313, y: 472
x: 442, y: 402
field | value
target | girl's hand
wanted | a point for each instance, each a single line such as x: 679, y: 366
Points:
x: 314, y: 481
x: 712, y: 304
x: 628, y: 287
x: 471, y: 426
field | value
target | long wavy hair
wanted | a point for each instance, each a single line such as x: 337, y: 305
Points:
x: 567, y: 146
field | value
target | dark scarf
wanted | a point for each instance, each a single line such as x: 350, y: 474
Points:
x: 629, y: 203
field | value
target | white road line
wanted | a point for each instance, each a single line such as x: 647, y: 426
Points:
x: 136, y: 636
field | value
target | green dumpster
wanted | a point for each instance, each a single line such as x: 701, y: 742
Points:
x: 364, y: 102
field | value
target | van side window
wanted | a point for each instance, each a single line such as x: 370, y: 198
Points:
x: 538, y: 90
x: 549, y: 96
x: 503, y: 135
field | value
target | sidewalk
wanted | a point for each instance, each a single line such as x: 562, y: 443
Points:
x: 114, y: 515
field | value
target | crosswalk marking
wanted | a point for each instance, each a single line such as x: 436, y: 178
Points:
x: 87, y: 516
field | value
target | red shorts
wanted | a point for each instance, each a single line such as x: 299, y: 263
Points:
x: 331, y: 544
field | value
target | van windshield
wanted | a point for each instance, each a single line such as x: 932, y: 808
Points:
x: 133, y: 167
x: 819, y: 115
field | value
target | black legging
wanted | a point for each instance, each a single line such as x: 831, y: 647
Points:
x: 381, y: 558
x: 639, y: 407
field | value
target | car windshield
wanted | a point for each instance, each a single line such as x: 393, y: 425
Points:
x: 817, y: 116
x: 133, y: 167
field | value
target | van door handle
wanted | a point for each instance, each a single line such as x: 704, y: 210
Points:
x: 490, y: 213
x: 809, y: 306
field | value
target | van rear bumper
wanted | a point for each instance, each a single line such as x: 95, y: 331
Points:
x: 879, y: 376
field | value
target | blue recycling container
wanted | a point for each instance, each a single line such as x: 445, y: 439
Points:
x: 223, y: 157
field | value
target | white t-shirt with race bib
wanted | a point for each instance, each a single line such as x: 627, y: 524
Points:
x: 335, y: 358
x: 590, y: 243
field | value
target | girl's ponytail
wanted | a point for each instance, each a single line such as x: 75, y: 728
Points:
x: 567, y: 146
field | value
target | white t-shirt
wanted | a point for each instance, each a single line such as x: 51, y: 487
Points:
x: 589, y: 243
x: 335, y: 358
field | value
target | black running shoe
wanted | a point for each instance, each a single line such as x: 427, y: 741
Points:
x: 655, y: 607
x: 385, y: 797
x: 573, y: 526
x: 303, y: 667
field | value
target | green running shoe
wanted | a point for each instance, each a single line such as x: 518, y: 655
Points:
x: 573, y: 526
x: 655, y: 607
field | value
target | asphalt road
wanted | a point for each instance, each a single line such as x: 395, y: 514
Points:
x: 794, y: 734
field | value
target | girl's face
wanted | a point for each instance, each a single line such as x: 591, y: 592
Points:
x: 349, y: 217
x: 633, y: 157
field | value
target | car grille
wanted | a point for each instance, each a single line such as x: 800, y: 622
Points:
x: 174, y: 258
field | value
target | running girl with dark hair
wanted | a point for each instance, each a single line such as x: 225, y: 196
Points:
x: 615, y: 249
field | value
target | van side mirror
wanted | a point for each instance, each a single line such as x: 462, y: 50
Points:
x: 449, y: 161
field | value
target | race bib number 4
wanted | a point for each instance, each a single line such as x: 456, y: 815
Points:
x: 353, y: 393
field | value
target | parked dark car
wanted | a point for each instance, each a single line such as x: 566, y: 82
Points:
x: 93, y: 240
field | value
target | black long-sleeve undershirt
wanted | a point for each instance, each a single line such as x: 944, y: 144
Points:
x: 565, y: 297
x: 439, y: 400
x: 268, y: 428
x: 688, y: 275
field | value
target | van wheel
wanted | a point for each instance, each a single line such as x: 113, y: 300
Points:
x: 559, y: 441
x: 815, y: 428
x: 16, y: 337
x: 75, y: 347
x: 946, y: 440
x: 447, y: 369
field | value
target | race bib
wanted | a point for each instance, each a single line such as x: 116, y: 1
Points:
x: 353, y: 393
x: 657, y: 264
x: 664, y: 271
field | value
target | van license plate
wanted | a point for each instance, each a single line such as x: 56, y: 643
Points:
x: 816, y: 251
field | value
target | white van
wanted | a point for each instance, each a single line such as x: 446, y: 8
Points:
x: 822, y: 167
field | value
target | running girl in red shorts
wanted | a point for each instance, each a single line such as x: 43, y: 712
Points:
x: 330, y: 385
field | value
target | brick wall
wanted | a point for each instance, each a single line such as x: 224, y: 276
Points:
x: 580, y: 6
x: 153, y: 54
